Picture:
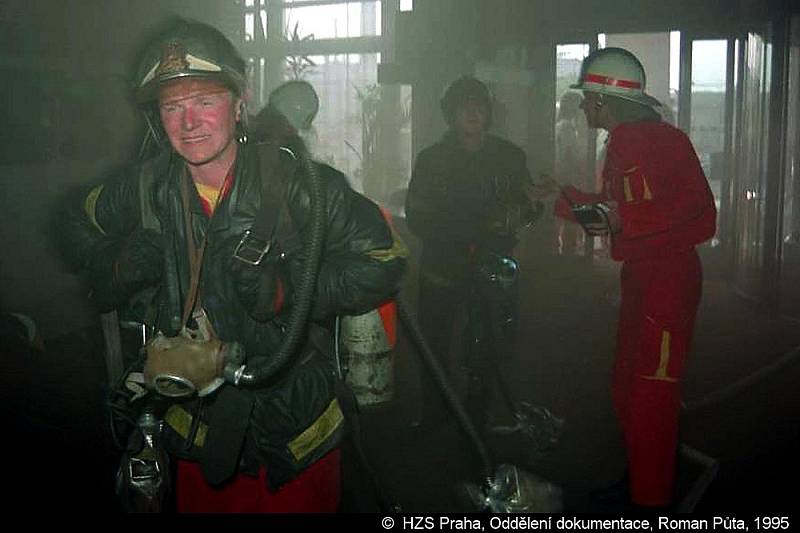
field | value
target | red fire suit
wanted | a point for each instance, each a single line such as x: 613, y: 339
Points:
x: 666, y: 208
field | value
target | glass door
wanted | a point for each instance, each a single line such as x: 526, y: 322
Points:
x: 751, y: 131
x: 705, y: 101
x: 790, y: 234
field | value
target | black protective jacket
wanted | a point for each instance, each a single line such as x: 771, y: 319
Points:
x: 296, y: 419
x: 453, y: 198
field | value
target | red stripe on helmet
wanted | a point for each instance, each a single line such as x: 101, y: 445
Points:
x: 605, y: 80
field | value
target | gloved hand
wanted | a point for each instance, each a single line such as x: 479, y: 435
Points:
x: 598, y: 219
x: 139, y: 261
x: 258, y: 287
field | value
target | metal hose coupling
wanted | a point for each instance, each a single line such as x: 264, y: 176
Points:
x: 514, y: 490
x: 232, y: 373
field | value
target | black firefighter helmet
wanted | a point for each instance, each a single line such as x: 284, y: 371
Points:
x: 189, y: 49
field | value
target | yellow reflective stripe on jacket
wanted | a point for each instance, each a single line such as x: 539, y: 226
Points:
x: 318, y: 432
x: 90, y: 206
x: 398, y: 249
x: 181, y: 421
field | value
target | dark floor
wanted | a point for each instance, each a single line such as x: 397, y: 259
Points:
x: 56, y: 429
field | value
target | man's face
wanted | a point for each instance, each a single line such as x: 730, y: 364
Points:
x: 472, y: 117
x: 591, y: 105
x: 200, y: 119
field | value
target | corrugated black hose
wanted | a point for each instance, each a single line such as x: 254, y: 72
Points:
x: 436, y: 370
x: 257, y: 375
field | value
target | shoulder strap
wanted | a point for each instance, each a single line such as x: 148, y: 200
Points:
x: 274, y: 177
x: 274, y: 171
x: 194, y: 253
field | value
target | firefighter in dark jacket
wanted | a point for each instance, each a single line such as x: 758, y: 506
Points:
x: 466, y: 199
x: 656, y: 206
x: 275, y: 447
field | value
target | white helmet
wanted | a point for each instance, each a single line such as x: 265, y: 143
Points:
x: 615, y: 72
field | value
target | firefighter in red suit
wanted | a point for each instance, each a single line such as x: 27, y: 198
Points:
x: 656, y: 205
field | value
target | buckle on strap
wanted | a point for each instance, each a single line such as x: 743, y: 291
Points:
x: 251, y: 248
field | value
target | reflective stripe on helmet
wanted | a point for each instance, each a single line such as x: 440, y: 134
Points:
x: 615, y: 72
x: 605, y: 80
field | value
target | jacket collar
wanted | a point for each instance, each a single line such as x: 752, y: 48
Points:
x: 221, y: 218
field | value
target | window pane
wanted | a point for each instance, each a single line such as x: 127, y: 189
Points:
x: 568, y: 65
x: 674, y: 75
x: 344, y: 83
x: 568, y: 68
x: 249, y: 27
x: 709, y: 63
x: 347, y: 19
x: 344, y: 130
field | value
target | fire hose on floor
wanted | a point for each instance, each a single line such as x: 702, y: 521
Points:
x: 710, y: 465
x: 503, y: 488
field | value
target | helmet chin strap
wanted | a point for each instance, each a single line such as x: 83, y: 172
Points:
x: 153, y: 136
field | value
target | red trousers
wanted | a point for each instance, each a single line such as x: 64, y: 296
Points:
x: 315, y: 490
x: 659, y: 305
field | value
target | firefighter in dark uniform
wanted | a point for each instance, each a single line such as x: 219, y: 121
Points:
x: 656, y: 206
x: 466, y: 200
x: 178, y: 222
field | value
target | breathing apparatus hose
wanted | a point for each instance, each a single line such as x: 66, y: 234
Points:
x: 436, y: 370
x: 258, y: 375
